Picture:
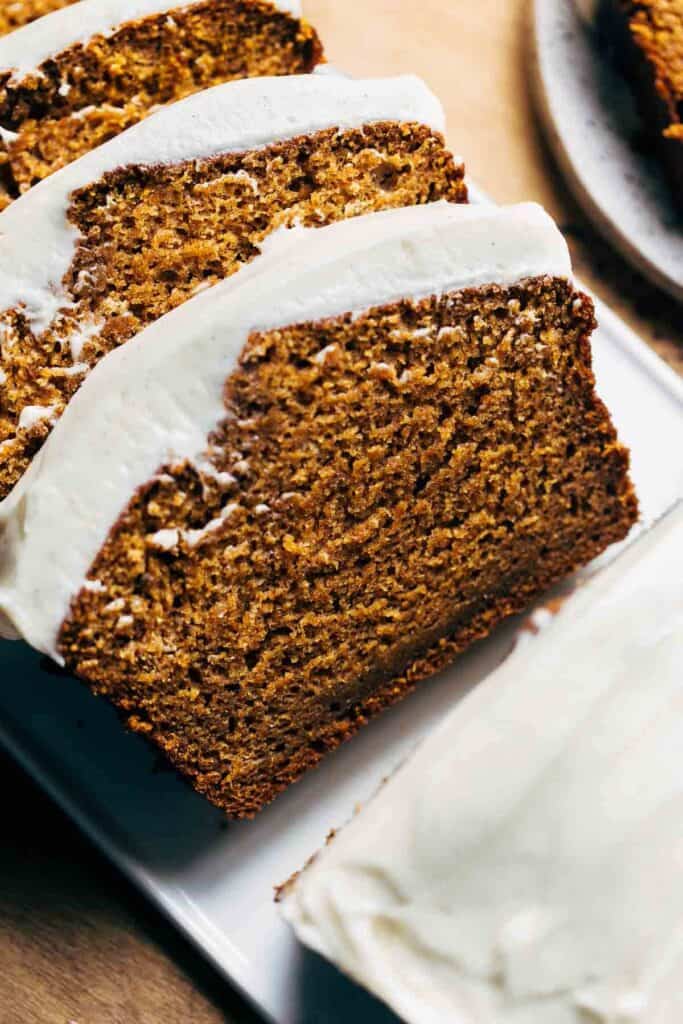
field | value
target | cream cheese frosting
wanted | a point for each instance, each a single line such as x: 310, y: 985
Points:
x: 156, y: 399
x: 25, y: 49
x: 525, y: 866
x: 37, y: 242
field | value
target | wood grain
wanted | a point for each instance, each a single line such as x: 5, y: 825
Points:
x: 77, y: 944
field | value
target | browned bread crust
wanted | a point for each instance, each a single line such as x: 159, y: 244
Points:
x: 397, y: 483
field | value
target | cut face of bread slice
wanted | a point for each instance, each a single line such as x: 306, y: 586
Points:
x: 15, y: 13
x: 112, y: 242
x: 280, y: 506
x: 72, y: 80
x: 524, y: 865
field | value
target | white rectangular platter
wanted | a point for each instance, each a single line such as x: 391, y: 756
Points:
x: 215, y: 880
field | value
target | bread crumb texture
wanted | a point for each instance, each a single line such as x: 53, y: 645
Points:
x: 153, y: 236
x: 90, y: 92
x: 657, y: 28
x: 381, y: 492
x: 15, y: 13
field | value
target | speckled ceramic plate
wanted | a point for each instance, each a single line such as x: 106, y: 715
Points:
x: 590, y: 119
x: 215, y: 880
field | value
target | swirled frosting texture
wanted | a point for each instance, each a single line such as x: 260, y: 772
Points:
x: 526, y: 865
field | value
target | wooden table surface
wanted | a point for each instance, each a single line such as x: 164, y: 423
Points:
x: 77, y: 944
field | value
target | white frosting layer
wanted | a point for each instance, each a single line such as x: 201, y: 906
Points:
x: 525, y: 866
x: 158, y: 397
x: 25, y: 49
x: 37, y: 242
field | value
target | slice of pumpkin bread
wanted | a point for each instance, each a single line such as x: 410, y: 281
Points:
x: 283, y: 504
